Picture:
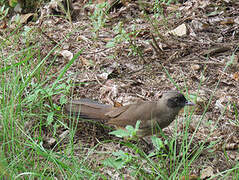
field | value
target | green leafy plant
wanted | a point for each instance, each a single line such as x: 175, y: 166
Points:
x: 98, y: 18
x: 128, y: 132
x: 3, y: 12
x: 66, y: 7
x: 126, y: 37
x: 121, y: 160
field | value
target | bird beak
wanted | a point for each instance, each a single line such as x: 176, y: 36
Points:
x: 189, y: 103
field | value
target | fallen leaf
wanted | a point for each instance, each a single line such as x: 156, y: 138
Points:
x: 195, y: 67
x: 26, y: 17
x: 228, y: 21
x: 117, y: 104
x: 215, y: 50
x: 66, y: 54
x: 108, y: 71
x: 190, y: 177
x: 180, y: 30
x: 3, y: 24
x: 236, y: 76
x: 233, y: 155
x: 86, y: 62
x: 207, y: 173
x: 199, y: 26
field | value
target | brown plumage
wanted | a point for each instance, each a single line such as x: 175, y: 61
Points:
x: 152, y: 114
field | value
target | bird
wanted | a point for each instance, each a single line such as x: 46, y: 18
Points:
x: 153, y: 115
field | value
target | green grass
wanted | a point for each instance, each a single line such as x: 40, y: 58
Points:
x: 27, y: 107
x: 26, y: 104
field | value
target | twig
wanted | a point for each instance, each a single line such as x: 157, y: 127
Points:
x: 155, y: 46
x: 199, y: 62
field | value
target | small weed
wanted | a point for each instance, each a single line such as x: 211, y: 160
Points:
x: 98, y: 18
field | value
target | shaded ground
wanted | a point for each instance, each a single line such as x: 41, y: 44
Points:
x: 129, y: 68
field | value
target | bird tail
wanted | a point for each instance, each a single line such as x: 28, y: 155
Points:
x: 88, y: 109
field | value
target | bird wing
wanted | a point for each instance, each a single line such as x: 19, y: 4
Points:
x: 130, y: 114
x: 117, y: 111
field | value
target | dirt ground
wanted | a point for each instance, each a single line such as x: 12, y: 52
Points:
x: 131, y: 53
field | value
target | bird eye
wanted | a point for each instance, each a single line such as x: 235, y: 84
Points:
x: 177, y: 99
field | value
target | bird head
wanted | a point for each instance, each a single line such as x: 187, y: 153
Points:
x: 175, y: 99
